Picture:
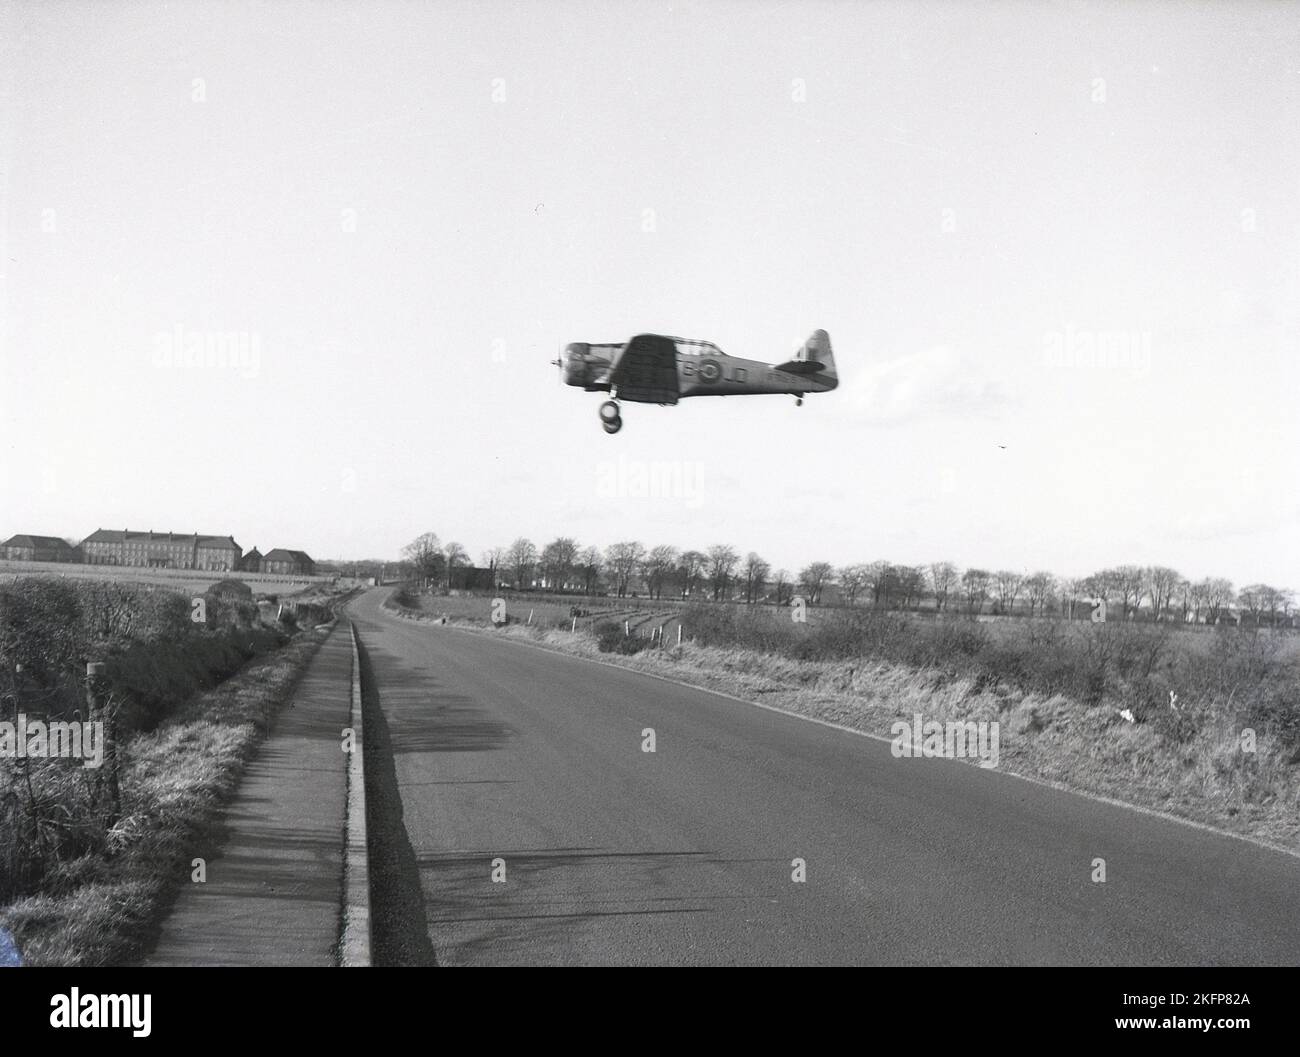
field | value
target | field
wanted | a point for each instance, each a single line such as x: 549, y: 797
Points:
x: 549, y: 611
x: 187, y: 580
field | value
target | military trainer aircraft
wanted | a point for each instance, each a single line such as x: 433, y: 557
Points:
x: 655, y: 369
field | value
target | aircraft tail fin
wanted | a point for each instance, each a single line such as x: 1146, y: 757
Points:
x: 814, y: 357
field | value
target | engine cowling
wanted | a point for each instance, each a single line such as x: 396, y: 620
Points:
x: 585, y: 367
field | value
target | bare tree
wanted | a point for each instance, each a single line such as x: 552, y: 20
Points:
x: 521, y: 556
x: 975, y: 585
x: 1214, y: 593
x: 943, y: 578
x: 657, y: 568
x: 1130, y: 582
x: 457, y: 557
x: 1008, y: 585
x: 622, y: 560
x: 814, y: 578
x: 1038, y: 589
x: 754, y: 572
x: 911, y: 583
x: 590, y: 564
x: 690, y: 567
x: 1074, y: 590
x: 1251, y: 598
x: 425, y: 555
x: 1258, y: 599
x: 880, y: 575
x: 1160, y: 582
x: 722, y: 561
x: 783, y: 587
x: 853, y: 579
x: 493, y: 558
x: 557, y: 561
x: 1101, y: 586
x: 1277, y: 600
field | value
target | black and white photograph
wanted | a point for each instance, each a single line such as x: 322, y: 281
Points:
x: 651, y: 483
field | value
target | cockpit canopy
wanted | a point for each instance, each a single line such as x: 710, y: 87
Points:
x: 695, y: 347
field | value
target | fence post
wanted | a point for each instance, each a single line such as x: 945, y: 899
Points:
x: 97, y: 703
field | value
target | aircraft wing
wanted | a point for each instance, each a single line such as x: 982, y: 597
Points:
x: 646, y: 370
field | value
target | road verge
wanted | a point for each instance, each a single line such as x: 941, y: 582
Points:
x: 355, y: 945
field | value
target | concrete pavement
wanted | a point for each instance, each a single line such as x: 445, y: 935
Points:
x: 274, y: 886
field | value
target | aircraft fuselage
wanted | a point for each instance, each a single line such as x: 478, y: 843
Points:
x: 709, y: 372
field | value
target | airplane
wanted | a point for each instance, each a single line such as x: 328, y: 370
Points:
x: 657, y: 369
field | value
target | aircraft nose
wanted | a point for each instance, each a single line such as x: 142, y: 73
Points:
x: 575, y: 362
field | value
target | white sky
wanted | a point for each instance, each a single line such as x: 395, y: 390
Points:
x: 1125, y: 169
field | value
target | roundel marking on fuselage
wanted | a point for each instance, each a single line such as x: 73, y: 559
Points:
x: 709, y: 371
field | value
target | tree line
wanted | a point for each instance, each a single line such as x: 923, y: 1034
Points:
x: 720, y: 573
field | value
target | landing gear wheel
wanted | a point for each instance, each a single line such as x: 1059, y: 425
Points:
x: 609, y: 411
x: 614, y: 426
x: 798, y: 401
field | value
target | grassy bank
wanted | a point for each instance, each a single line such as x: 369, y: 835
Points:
x: 1059, y: 703
x: 89, y: 854
x: 101, y: 908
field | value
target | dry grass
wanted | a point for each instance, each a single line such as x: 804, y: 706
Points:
x: 101, y: 910
x: 189, y: 580
x: 545, y: 611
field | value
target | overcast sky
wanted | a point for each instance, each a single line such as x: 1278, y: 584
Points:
x: 1057, y: 249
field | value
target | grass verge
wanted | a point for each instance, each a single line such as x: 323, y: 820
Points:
x: 105, y: 909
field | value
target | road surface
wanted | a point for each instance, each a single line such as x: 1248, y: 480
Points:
x: 483, y: 750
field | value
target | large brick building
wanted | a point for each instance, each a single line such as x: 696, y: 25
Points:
x: 27, y: 548
x: 288, y: 563
x: 163, y: 550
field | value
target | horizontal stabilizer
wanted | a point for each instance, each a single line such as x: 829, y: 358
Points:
x: 815, y: 360
x: 801, y: 366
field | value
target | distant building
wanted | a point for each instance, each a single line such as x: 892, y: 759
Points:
x: 25, y: 548
x: 288, y: 563
x: 161, y: 550
x: 252, y: 561
x: 473, y: 578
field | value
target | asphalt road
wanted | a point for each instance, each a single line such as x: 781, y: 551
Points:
x: 480, y: 749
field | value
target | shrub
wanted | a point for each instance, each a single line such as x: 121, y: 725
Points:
x: 1125, y: 664
x: 54, y: 813
x: 610, y: 638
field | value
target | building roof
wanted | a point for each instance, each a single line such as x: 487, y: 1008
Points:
x: 127, y: 536
x: 27, y: 540
x: 279, y: 554
x: 218, y: 543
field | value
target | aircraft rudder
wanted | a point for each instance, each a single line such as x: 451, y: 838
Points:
x: 818, y: 348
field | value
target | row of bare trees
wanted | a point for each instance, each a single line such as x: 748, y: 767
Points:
x: 1155, y: 592
x: 629, y: 567
x: 721, y: 573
